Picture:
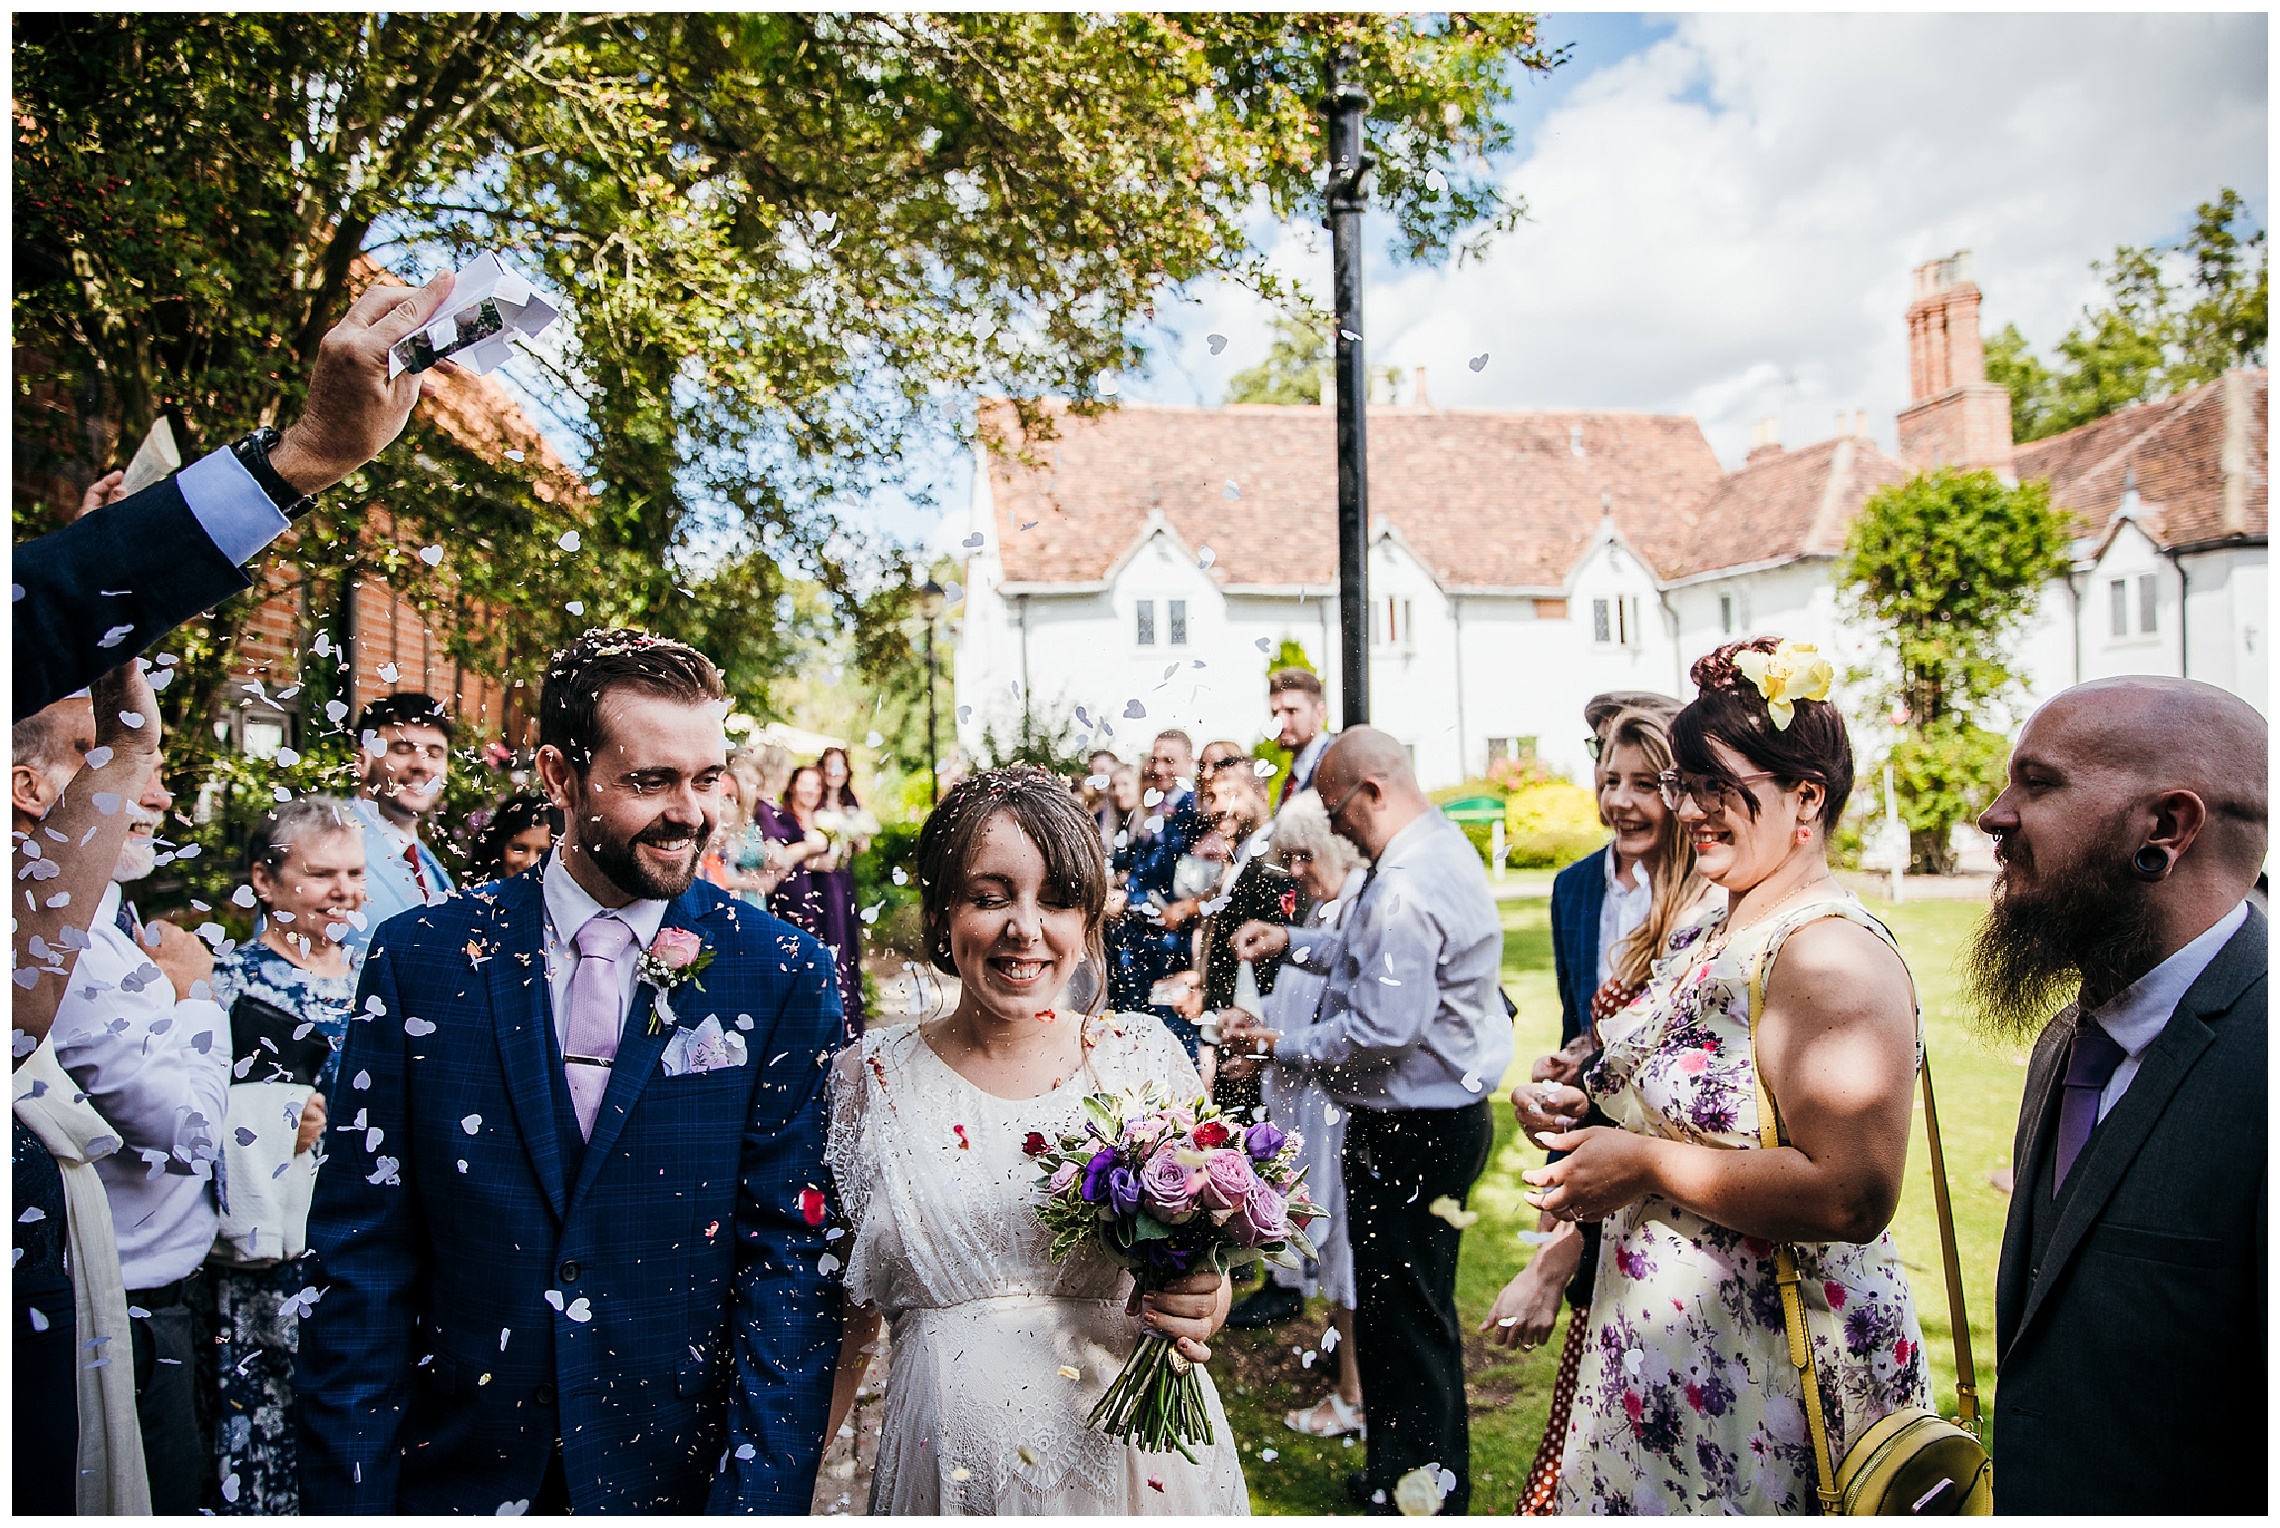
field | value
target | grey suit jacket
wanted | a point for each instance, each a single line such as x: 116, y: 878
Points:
x: 2131, y: 1361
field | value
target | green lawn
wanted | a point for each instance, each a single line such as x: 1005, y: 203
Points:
x: 1263, y: 1374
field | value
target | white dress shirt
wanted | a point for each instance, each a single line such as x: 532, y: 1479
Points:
x: 234, y: 511
x: 2137, y: 1018
x: 1411, y: 1015
x: 568, y: 907
x: 158, y: 1070
x: 1623, y: 909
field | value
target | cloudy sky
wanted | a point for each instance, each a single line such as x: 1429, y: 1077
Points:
x: 1724, y: 209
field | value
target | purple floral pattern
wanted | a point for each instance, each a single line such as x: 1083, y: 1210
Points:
x: 1687, y: 1401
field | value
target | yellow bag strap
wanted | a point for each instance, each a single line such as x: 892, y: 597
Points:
x: 1785, y: 1264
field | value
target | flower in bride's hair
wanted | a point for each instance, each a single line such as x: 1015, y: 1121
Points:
x: 1792, y: 672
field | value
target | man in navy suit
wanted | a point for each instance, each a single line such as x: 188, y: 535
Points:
x: 568, y: 1249
x: 127, y: 572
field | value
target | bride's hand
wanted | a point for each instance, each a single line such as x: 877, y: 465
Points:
x: 1188, y: 1310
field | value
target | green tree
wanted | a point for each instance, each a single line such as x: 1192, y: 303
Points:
x: 1298, y: 359
x: 1948, y: 567
x: 789, y: 244
x: 2149, y: 339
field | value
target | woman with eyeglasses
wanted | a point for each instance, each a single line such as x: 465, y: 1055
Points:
x: 1613, y: 913
x: 1687, y: 1400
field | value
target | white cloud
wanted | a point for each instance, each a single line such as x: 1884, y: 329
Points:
x: 1722, y: 223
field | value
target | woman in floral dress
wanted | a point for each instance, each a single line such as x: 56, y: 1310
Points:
x: 1687, y: 1400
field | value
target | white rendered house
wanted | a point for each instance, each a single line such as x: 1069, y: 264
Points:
x: 1143, y: 563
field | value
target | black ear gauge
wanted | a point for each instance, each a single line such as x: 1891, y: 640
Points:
x: 2150, y: 863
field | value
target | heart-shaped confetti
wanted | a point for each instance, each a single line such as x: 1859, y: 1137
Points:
x: 1478, y: 361
x: 1133, y: 710
x: 575, y: 607
x: 569, y: 541
x: 131, y: 719
x: 1217, y: 342
x: 432, y: 556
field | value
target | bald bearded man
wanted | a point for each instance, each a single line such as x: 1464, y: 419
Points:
x: 2130, y: 1307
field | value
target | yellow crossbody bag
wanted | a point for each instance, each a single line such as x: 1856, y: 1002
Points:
x: 1914, y: 1462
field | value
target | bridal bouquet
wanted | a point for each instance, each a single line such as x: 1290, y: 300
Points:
x: 1165, y: 1190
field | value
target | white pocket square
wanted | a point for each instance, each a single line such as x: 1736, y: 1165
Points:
x: 706, y: 1048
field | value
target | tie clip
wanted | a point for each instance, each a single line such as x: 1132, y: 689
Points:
x: 585, y: 1060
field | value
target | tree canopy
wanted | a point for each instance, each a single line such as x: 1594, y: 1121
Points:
x: 2152, y: 338
x: 789, y: 244
x: 1948, y: 567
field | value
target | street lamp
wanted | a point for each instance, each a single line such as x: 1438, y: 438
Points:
x: 1344, y: 201
x: 930, y: 604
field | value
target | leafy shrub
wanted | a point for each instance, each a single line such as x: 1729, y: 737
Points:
x: 1549, y: 824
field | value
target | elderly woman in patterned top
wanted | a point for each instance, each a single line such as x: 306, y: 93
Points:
x: 289, y: 993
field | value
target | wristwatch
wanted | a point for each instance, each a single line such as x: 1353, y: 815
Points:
x: 252, y: 453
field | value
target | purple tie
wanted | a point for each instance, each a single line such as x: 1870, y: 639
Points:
x: 597, y: 1013
x: 2090, y: 1063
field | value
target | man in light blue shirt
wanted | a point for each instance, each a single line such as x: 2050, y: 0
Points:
x: 1413, y: 1037
x: 405, y: 743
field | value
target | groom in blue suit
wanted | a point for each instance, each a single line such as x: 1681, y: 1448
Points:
x: 568, y: 1244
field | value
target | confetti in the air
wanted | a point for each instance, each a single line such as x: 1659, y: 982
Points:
x: 569, y: 541
x: 575, y: 607
x: 1231, y: 491
x: 973, y: 542
x: 1206, y: 558
x: 1478, y: 361
x: 431, y: 555
x: 1133, y: 710
x: 1217, y: 342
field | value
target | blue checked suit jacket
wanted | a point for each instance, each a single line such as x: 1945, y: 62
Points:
x: 690, y: 1365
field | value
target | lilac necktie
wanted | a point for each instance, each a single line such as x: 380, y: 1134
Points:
x: 2090, y: 1063
x: 597, y: 1013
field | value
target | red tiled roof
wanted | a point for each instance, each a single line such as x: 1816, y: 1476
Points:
x: 2176, y: 447
x: 1485, y: 499
x: 1785, y: 505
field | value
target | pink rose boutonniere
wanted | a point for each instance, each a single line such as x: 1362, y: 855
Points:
x: 675, y: 956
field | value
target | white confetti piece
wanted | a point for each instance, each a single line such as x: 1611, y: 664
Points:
x: 1269, y: 1455
x: 1134, y: 711
x: 569, y: 541
x: 1478, y: 361
x: 431, y: 555
x: 114, y: 636
x: 873, y: 740
x: 579, y: 1309
x: 553, y: 1297
x: 471, y: 1123
x: 389, y: 673
x: 973, y: 542
x: 575, y: 607
x: 1231, y: 491
x: 1217, y: 342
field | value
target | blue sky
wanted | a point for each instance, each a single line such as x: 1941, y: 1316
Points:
x: 1725, y: 208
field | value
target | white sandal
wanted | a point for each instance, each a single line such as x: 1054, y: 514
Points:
x: 1344, y: 1419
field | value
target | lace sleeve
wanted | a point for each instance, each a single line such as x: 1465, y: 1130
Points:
x: 1150, y: 1052
x: 843, y: 1153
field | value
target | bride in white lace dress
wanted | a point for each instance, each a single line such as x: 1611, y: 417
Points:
x: 999, y: 1352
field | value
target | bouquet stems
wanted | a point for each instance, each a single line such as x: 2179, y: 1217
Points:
x: 1156, y: 1402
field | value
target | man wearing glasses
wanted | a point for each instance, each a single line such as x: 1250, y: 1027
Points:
x: 1412, y: 1037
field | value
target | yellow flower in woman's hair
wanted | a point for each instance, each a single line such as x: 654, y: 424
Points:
x: 1792, y: 672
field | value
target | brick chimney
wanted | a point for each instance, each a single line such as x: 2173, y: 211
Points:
x: 1765, y: 440
x: 1955, y: 416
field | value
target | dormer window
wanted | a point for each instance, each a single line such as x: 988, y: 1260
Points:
x: 1615, y: 622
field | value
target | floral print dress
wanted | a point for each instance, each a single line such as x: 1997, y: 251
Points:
x: 1687, y: 1401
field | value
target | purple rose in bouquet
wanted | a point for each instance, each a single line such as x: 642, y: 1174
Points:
x: 1227, y: 1180
x: 1167, y: 1188
x: 1263, y: 1217
x: 1263, y: 1140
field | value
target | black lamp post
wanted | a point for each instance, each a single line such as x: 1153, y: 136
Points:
x: 930, y: 601
x: 1343, y: 106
